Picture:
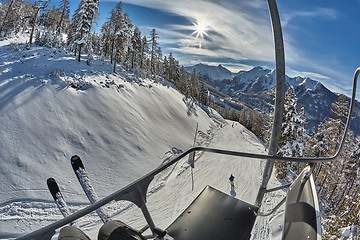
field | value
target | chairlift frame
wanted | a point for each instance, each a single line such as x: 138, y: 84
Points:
x: 136, y: 192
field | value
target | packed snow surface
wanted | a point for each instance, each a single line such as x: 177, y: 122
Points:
x: 122, y: 126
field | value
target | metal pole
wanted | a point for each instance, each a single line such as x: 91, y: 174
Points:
x: 280, y: 95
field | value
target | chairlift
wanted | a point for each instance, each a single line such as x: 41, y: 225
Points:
x: 231, y: 218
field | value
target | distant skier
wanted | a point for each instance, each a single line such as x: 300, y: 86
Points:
x: 231, y: 179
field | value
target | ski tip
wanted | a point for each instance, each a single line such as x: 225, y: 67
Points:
x: 53, y: 186
x: 50, y: 179
x: 75, y: 157
x: 76, y: 162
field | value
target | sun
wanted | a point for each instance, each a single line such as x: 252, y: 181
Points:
x: 200, y: 30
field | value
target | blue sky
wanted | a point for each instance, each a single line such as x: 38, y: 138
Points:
x: 321, y: 37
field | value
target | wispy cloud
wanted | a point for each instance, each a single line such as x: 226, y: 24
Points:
x: 239, y: 31
x: 316, y: 13
x: 293, y: 73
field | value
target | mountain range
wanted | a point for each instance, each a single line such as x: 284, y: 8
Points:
x: 253, y: 87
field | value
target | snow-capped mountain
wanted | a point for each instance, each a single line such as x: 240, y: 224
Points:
x: 211, y: 73
x: 252, y: 87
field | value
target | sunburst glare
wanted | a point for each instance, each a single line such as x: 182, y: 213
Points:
x: 200, y: 30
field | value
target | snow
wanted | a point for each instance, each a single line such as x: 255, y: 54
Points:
x: 347, y: 233
x: 306, y: 82
x: 53, y: 107
x: 213, y: 72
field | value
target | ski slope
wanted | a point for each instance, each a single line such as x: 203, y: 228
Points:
x: 122, y: 127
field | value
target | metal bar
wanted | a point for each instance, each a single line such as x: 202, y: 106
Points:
x: 277, y: 188
x: 280, y: 96
x: 145, y: 211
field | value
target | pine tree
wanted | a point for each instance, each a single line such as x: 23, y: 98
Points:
x: 328, y: 132
x: 203, y: 98
x: 95, y: 43
x: 7, y: 13
x: 193, y: 88
x: 136, y: 47
x: 340, y: 205
x: 293, y: 138
x: 117, y: 37
x: 332, y: 130
x: 122, y: 43
x: 183, y: 80
x: 16, y: 17
x: 51, y: 18
x: 65, y: 13
x: 158, y: 64
x: 83, y: 19
x: 106, y: 40
x: 171, y: 68
x: 154, y: 45
x: 144, y: 51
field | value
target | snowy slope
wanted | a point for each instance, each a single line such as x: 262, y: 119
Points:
x: 121, y: 126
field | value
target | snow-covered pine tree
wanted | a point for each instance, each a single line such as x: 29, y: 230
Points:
x: 293, y: 137
x: 122, y: 43
x: 348, y: 183
x: 170, y: 70
x: 326, y: 174
x: 154, y: 45
x: 106, y: 40
x: 193, y: 87
x: 328, y: 132
x: 16, y: 17
x: 95, y: 40
x: 82, y: 21
x: 136, y: 47
x: 316, y: 147
x: 116, y: 36
x: 126, y: 36
x: 337, y: 189
x: 144, y: 51
x: 340, y: 205
x: 159, y: 66
x: 64, y: 18
x: 4, y: 22
x: 183, y: 80
x: 166, y: 73
x: 203, y: 98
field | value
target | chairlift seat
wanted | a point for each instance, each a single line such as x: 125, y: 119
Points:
x: 214, y: 215
x: 302, y: 214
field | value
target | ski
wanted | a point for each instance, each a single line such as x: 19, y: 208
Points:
x: 86, y: 185
x: 58, y: 197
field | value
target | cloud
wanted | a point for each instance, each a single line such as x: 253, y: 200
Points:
x: 316, y: 76
x: 327, y: 13
x: 240, y: 31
